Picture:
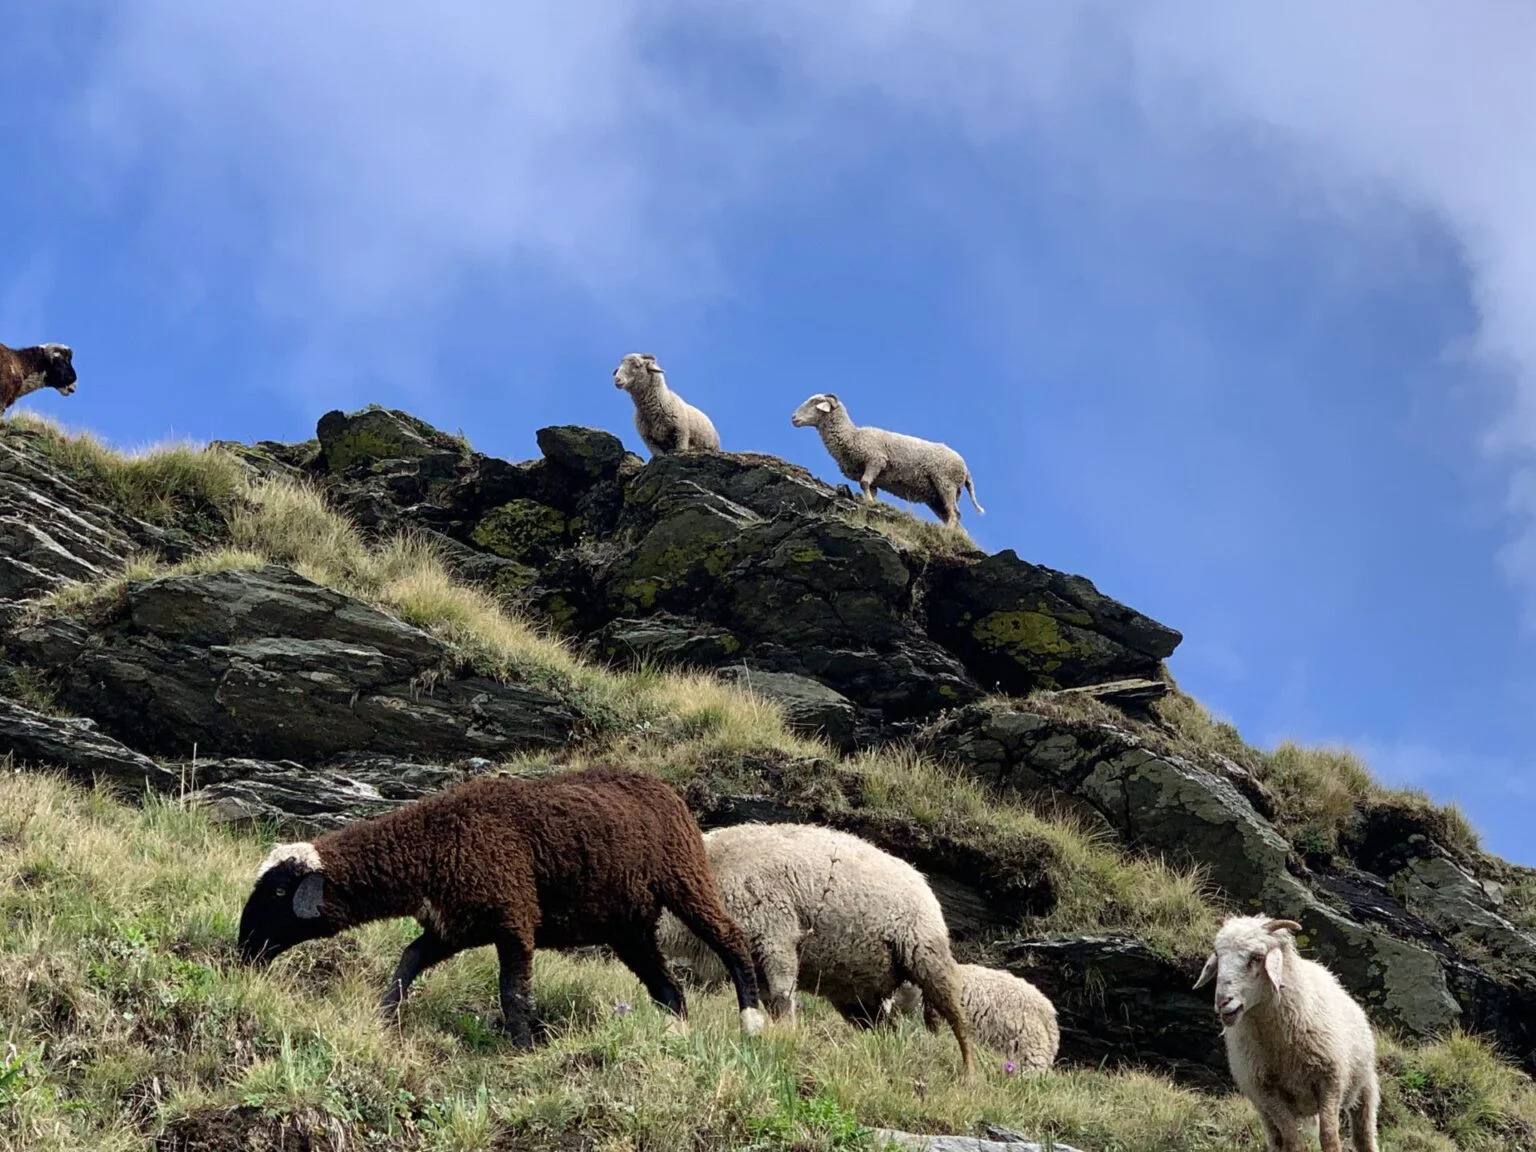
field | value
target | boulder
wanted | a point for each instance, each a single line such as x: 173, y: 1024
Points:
x: 264, y: 663
x: 1022, y: 626
x: 809, y: 707
x: 30, y: 739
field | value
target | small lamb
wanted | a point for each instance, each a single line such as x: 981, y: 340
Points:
x: 26, y: 370
x: 831, y: 913
x: 572, y: 860
x: 1006, y: 1012
x: 665, y: 421
x: 1297, y: 1043
x: 922, y: 471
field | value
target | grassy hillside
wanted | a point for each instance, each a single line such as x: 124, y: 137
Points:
x: 126, y: 1024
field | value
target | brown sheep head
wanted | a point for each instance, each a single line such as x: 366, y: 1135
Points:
x: 815, y: 410
x: 638, y: 371
x: 287, y: 906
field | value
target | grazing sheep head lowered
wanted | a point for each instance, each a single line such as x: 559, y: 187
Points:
x: 1248, y: 965
x: 815, y: 410
x: 287, y: 906
x: 636, y: 370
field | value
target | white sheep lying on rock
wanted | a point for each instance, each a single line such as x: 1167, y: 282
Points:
x: 666, y: 422
x: 922, y: 471
x: 1006, y: 1013
x: 1297, y: 1043
x: 833, y: 914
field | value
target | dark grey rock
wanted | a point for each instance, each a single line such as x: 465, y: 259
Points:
x: 809, y: 707
x: 30, y: 739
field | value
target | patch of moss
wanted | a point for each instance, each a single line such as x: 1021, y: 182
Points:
x: 521, y: 530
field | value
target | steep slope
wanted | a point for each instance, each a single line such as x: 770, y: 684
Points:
x: 323, y: 630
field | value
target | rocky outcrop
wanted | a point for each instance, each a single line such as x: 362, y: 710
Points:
x: 736, y: 560
x: 264, y: 663
x: 267, y: 697
x: 28, y: 737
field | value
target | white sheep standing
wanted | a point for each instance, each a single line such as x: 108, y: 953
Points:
x: 1298, y: 1045
x: 1006, y: 1013
x: 829, y: 912
x: 922, y: 471
x: 666, y: 422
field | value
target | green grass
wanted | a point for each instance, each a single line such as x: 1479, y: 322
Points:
x: 124, y: 1018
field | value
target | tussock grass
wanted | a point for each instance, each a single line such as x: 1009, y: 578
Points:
x: 159, y: 483
x: 925, y: 537
x: 125, y: 1018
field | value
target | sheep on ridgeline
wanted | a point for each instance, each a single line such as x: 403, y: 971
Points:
x: 1297, y: 1043
x: 1006, y: 1013
x: 922, y: 471
x: 26, y: 370
x: 830, y: 913
x: 665, y: 421
x: 566, y: 861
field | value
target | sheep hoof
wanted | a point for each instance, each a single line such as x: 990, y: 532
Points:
x: 752, y: 1021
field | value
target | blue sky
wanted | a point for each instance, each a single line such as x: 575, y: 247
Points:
x: 1232, y: 311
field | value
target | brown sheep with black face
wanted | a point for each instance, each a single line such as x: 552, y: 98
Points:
x: 566, y: 861
x: 26, y: 370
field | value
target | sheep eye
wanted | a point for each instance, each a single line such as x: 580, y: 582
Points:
x: 282, y: 892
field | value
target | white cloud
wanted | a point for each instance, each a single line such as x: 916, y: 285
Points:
x: 372, y: 156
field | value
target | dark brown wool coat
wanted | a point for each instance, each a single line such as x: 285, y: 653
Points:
x: 583, y: 858
x: 25, y: 370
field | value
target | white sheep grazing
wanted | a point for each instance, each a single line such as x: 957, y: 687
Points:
x: 829, y: 912
x: 1006, y: 1013
x: 665, y: 421
x: 1297, y: 1043
x: 922, y: 471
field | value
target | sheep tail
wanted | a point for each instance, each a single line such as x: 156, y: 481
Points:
x: 971, y: 491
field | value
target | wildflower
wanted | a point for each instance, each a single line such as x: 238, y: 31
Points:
x: 1010, y: 1067
x: 621, y: 1007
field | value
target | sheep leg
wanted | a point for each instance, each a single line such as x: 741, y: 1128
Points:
x: 516, y: 957
x: 781, y: 971
x: 640, y: 955
x: 1328, y: 1123
x: 419, y: 955
x: 1362, y: 1124
x: 1281, y: 1133
x: 703, y: 914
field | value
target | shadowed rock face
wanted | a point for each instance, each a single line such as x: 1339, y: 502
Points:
x: 275, y: 699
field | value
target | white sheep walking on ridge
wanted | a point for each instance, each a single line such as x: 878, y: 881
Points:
x: 1006, y: 1013
x: 922, y: 471
x: 1297, y: 1043
x: 666, y: 422
x: 831, y: 913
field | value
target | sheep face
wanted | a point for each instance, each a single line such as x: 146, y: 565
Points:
x: 49, y: 366
x: 815, y: 410
x: 286, y: 907
x: 638, y: 371
x: 1248, y: 965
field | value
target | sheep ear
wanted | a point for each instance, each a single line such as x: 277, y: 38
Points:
x: 823, y: 406
x: 1207, y: 972
x: 308, y: 896
x: 1274, y: 967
